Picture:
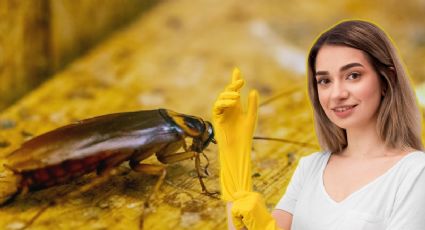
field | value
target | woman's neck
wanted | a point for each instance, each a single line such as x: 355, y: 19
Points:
x: 364, y: 142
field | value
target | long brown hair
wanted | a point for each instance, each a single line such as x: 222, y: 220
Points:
x: 399, y: 118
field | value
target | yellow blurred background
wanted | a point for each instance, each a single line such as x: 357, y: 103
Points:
x: 62, y: 61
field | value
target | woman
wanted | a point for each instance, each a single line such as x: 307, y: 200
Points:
x: 371, y: 172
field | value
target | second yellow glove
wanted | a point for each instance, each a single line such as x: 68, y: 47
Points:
x: 249, y: 210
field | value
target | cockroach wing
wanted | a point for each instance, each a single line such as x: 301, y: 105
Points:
x: 107, y: 133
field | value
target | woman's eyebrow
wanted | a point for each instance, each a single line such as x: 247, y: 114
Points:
x: 321, y: 73
x: 342, y: 69
x: 345, y: 67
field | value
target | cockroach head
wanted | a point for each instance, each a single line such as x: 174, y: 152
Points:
x: 208, y: 135
x: 201, y: 131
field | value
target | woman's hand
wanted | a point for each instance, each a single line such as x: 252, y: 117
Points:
x: 234, y: 130
x: 249, y: 210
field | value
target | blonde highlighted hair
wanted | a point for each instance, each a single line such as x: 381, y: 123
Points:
x: 399, y: 118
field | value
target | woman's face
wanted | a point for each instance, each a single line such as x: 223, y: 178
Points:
x: 349, y: 88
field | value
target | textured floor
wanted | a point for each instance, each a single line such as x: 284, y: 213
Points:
x: 179, y: 56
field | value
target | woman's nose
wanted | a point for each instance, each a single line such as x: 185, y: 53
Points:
x: 339, y: 91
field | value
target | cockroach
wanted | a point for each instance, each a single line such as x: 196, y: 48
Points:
x: 101, y: 144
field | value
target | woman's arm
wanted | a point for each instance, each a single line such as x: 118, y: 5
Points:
x: 230, y: 225
x: 283, y: 219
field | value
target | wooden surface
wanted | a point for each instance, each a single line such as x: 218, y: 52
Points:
x: 23, y: 47
x: 75, y: 26
x: 179, y: 56
x: 39, y: 37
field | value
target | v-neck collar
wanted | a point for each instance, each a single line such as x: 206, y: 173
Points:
x: 374, y: 181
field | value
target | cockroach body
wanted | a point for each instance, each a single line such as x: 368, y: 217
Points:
x: 101, y: 144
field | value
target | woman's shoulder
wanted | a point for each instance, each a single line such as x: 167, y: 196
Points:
x: 411, y: 172
x: 414, y: 160
x: 316, y: 157
x: 314, y: 161
x: 417, y: 155
x: 408, y: 169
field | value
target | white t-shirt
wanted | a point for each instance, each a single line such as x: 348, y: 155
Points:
x: 393, y: 201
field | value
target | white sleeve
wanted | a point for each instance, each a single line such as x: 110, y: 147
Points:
x: 409, y: 207
x: 289, y: 200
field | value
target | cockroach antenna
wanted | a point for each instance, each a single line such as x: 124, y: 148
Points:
x: 295, y: 88
x: 303, y: 144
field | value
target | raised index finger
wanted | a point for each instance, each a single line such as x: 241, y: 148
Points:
x: 237, y: 81
x: 236, y: 75
x: 235, y: 86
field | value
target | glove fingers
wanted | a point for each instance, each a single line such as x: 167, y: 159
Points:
x: 236, y: 214
x: 252, y: 107
x: 226, y: 103
x: 221, y: 105
x: 235, y: 86
x: 237, y: 222
x: 236, y: 75
x: 229, y: 95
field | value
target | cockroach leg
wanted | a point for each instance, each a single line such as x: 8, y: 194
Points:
x: 168, y: 158
x: 198, y: 170
x: 112, y: 162
x: 176, y: 157
x: 208, y: 163
x: 60, y: 200
x: 171, y: 158
x: 149, y: 169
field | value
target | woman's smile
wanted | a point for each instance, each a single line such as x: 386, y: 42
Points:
x: 344, y: 110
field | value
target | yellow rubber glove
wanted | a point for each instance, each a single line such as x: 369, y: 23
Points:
x: 249, y: 210
x: 234, y: 130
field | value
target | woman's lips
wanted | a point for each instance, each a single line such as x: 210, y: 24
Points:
x: 344, y: 111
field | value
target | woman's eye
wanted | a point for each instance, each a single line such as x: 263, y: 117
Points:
x: 322, y: 81
x: 353, y: 75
